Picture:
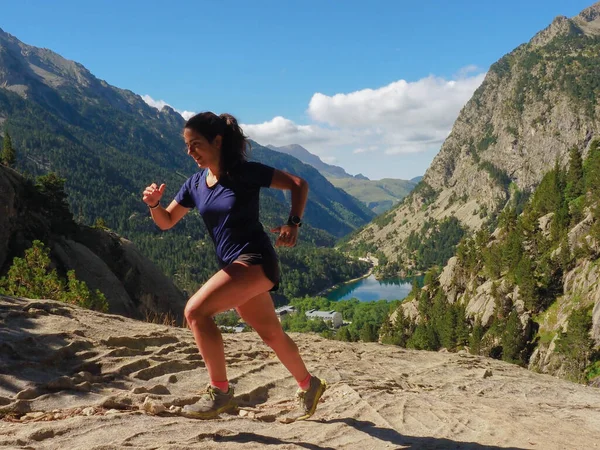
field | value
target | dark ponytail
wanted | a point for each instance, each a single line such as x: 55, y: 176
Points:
x: 234, y: 144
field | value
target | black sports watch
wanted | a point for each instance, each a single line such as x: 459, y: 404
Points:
x: 294, y: 221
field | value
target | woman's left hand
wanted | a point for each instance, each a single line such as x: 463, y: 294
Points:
x: 287, y: 235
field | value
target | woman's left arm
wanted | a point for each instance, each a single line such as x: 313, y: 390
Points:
x: 288, y: 234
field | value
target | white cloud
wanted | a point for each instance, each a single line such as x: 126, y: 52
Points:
x: 160, y: 104
x: 186, y: 114
x: 369, y: 149
x: 400, y: 118
x: 280, y: 131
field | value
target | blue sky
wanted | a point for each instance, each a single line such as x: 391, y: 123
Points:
x: 371, y: 86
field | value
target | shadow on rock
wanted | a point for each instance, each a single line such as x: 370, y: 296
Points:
x: 33, y: 364
x: 245, y: 438
x: 413, y: 442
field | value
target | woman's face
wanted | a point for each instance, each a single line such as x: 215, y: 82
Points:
x: 206, y: 154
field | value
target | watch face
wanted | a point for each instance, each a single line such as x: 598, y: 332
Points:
x: 295, y: 220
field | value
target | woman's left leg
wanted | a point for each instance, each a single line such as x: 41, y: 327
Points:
x: 229, y: 288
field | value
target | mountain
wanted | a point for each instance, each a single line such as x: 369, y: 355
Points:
x: 378, y: 195
x: 535, y: 104
x: 109, y: 144
x: 74, y: 378
x: 505, y: 224
x: 297, y: 151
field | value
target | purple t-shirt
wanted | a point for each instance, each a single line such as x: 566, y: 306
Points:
x: 230, y: 209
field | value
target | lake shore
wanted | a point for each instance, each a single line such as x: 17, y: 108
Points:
x: 374, y: 262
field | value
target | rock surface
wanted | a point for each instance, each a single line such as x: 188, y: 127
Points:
x: 72, y: 378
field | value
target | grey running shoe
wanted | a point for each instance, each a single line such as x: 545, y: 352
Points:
x: 307, y: 400
x: 212, y: 403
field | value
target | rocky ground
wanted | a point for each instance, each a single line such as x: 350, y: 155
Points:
x: 76, y: 379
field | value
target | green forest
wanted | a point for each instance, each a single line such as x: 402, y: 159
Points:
x: 526, y: 256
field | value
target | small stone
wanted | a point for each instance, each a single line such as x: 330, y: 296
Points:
x: 84, y: 387
x: 243, y: 413
x: 487, y: 373
x: 35, y: 415
x: 153, y: 407
x: 175, y: 409
x: 28, y: 394
x: 61, y: 383
x: 159, y: 389
x: 117, y: 402
x: 112, y: 412
x: 42, y: 434
x: 172, y: 379
x: 89, y: 411
x: 251, y: 415
x: 86, y: 376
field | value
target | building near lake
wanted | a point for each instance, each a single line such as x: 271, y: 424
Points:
x: 283, y: 310
x: 332, y: 316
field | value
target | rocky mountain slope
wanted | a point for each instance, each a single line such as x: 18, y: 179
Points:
x: 99, y: 381
x: 133, y: 285
x: 534, y: 105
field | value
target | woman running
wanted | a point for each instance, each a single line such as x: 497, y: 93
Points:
x: 226, y: 193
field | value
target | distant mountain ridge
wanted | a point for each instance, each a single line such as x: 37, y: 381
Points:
x: 297, y: 151
x: 377, y: 195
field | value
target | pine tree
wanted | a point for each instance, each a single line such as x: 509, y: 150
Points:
x: 399, y: 330
x: 592, y: 170
x: 32, y: 277
x: 576, y: 344
x: 476, y: 337
x: 343, y: 334
x: 575, y: 179
x: 368, y: 333
x: 9, y: 157
x: 513, y: 341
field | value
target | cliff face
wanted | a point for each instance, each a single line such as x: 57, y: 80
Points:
x: 533, y: 106
x: 133, y: 286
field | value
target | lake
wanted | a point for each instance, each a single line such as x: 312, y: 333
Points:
x: 371, y: 289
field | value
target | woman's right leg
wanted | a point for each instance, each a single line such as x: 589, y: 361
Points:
x: 259, y: 313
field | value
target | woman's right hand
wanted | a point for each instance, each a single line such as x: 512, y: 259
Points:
x: 153, y: 194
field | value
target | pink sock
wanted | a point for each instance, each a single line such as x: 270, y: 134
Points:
x: 305, y: 384
x: 223, y: 386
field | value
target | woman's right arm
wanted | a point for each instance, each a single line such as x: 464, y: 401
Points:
x: 164, y: 218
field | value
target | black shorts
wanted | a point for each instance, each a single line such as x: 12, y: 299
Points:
x: 269, y: 262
